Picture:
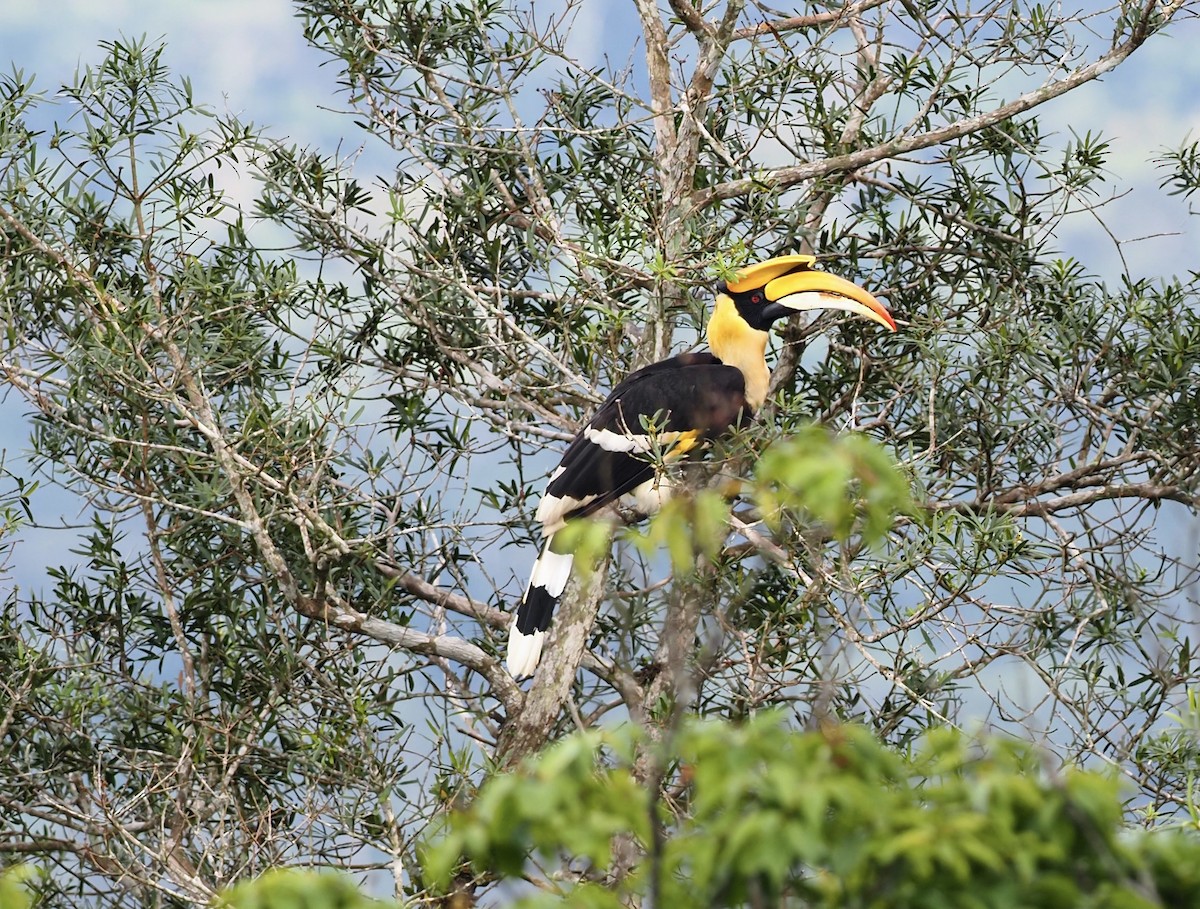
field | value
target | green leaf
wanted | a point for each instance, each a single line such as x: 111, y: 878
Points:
x: 286, y: 888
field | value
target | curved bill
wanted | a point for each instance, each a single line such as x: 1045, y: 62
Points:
x: 761, y: 273
x: 805, y: 290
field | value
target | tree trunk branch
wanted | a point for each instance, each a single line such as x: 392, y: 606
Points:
x: 529, y: 727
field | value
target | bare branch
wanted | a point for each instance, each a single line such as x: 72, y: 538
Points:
x: 792, y: 23
x: 775, y: 179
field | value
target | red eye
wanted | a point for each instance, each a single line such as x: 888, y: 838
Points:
x: 757, y: 298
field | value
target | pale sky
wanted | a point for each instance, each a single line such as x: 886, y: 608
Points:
x: 244, y: 56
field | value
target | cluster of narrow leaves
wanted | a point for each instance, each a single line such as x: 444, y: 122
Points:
x: 280, y: 888
x: 845, y: 483
x: 762, y: 814
x: 285, y: 888
x: 840, y: 485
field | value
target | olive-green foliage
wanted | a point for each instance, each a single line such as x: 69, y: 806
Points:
x: 842, y: 482
x: 286, y: 888
x: 14, y: 894
x: 762, y: 814
x: 839, y: 485
x: 155, y: 639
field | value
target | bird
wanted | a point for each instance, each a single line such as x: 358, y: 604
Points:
x: 668, y: 411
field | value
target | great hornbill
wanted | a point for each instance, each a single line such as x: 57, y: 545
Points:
x: 672, y: 409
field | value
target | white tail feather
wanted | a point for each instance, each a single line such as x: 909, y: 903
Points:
x: 552, y: 570
x: 550, y: 574
x: 524, y: 651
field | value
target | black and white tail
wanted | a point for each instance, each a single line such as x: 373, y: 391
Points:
x: 547, y: 582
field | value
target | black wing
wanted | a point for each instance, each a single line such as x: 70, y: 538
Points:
x: 693, y: 394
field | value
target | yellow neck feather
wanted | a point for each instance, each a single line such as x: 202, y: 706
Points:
x: 737, y: 344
